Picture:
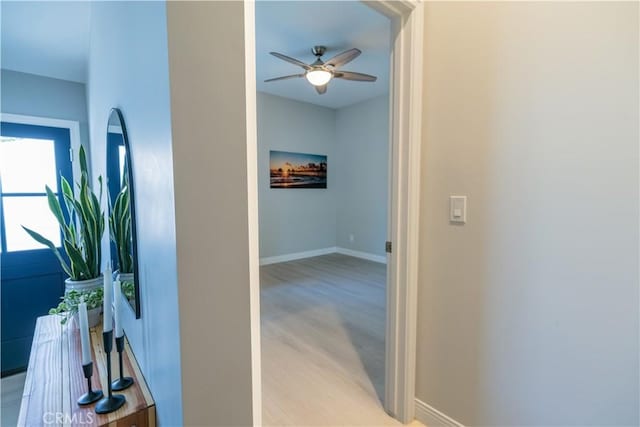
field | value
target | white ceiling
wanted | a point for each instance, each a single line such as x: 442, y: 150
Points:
x: 48, y: 38
x: 294, y: 27
x: 51, y: 38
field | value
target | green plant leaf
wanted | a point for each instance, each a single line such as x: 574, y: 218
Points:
x: 120, y: 229
x: 41, y: 239
x: 82, y: 229
x: 70, y: 301
x: 72, y: 233
x: 101, y: 186
x: 91, y: 240
x: 67, y: 193
x: 75, y: 255
x: 54, y: 206
x: 83, y: 161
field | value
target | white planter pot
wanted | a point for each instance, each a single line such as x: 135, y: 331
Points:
x: 83, y: 285
x: 125, y: 277
x: 94, y: 317
x: 93, y: 314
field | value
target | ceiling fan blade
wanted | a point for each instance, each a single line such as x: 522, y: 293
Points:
x: 321, y: 89
x: 291, y: 60
x: 358, y: 77
x: 293, y: 76
x: 343, y: 58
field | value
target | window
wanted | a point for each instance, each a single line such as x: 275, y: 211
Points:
x: 31, y: 157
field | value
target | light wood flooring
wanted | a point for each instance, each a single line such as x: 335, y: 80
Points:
x: 323, y: 325
x: 11, y: 398
x: 323, y: 322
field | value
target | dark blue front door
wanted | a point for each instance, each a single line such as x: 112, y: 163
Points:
x: 31, y: 279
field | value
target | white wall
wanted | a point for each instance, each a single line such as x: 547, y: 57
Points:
x: 128, y: 69
x: 355, y: 140
x: 33, y: 95
x: 209, y: 124
x: 362, y: 157
x: 528, y: 314
x: 295, y: 220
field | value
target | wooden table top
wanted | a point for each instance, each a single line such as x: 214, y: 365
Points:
x: 55, y: 380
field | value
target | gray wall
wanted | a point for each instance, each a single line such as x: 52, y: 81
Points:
x: 528, y: 314
x: 355, y: 139
x: 295, y: 220
x: 32, y: 95
x: 362, y: 134
x: 128, y: 69
x: 209, y: 124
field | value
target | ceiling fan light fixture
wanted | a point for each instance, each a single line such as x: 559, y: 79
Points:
x: 318, y: 76
x: 320, y: 72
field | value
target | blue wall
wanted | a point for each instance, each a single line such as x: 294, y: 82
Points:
x: 128, y: 69
x: 362, y: 132
x: 355, y: 140
x: 32, y: 95
x: 295, y: 220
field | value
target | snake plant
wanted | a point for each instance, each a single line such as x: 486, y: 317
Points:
x: 120, y: 227
x: 82, y: 228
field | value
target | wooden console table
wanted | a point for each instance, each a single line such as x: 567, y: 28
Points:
x: 55, y: 380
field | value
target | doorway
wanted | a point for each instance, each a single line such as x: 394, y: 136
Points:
x: 323, y: 186
x: 405, y: 130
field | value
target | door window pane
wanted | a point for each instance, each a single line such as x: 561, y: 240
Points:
x: 27, y: 165
x: 32, y: 212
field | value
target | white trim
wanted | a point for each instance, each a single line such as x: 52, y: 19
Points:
x: 430, y: 416
x: 324, y: 251
x: 72, y: 125
x: 392, y: 9
x: 252, y: 207
x: 297, y: 255
x: 364, y: 255
x: 407, y: 18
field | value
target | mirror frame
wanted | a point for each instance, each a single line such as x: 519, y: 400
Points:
x: 132, y: 207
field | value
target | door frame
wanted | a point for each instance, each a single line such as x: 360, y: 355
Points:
x: 405, y: 96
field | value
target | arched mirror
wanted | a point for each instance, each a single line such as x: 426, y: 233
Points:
x: 122, y: 218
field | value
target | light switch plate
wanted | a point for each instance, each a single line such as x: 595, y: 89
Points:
x: 458, y: 209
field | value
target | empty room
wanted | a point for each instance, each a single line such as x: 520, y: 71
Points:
x: 323, y: 156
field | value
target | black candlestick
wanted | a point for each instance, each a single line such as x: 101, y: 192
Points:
x: 90, y: 396
x: 113, y: 401
x: 122, y: 382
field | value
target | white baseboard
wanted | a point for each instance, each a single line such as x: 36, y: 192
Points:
x: 364, y: 255
x: 324, y: 251
x: 297, y: 255
x: 431, y: 417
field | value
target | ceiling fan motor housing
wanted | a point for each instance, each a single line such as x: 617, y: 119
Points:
x: 318, y: 51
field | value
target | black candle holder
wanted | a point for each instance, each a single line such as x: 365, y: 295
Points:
x: 91, y: 395
x: 122, y: 382
x: 113, y: 401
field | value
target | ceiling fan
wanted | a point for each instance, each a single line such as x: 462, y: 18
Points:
x: 319, y: 73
